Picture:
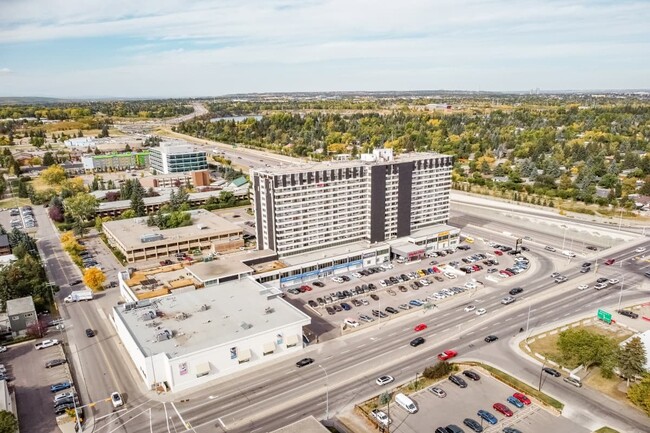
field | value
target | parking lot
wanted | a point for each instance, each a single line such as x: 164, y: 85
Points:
x: 21, y: 218
x: 32, y: 381
x: 462, y: 403
x: 383, y: 292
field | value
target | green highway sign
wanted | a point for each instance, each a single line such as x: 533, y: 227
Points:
x: 605, y: 316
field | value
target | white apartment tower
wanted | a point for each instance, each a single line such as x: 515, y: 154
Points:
x: 377, y: 198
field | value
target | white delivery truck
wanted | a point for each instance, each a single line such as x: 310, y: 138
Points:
x: 79, y: 295
x: 406, y: 403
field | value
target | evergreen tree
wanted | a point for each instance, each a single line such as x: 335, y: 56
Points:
x: 95, y: 185
x: 632, y: 359
x: 48, y: 159
x: 137, y: 202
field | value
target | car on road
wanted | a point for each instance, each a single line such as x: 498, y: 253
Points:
x: 457, y: 380
x: 610, y: 261
x: 628, y: 313
x: 487, y: 416
x: 438, y: 392
x: 549, y: 248
x: 46, y: 343
x: 583, y: 287
x: 639, y: 250
x: 383, y: 380
x: 116, y: 398
x: 75, y: 282
x: 508, y: 300
x: 516, y: 291
x: 447, y: 354
x: 471, y: 374
x: 522, y: 398
x: 481, y: 311
x: 470, y: 308
x: 491, y: 338
x: 502, y: 409
x: 417, y: 341
x: 420, y: 327
x: 585, y: 270
x: 381, y: 417
x: 600, y: 286
x: 613, y: 281
x: 304, y: 361
x: 553, y: 372
x: 55, y: 362
x: 572, y: 380
x: 473, y: 425
x: 3, y: 349
x: 515, y: 402
x: 60, y: 386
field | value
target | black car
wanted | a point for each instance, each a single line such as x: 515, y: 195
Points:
x: 585, y: 270
x: 374, y: 297
x: 457, y: 380
x: 417, y: 341
x: 313, y: 303
x: 75, y: 282
x: 330, y: 311
x: 55, y: 362
x: 60, y: 409
x: 473, y: 424
x: 511, y: 430
x: 90, y: 333
x: 294, y: 291
x: 628, y: 313
x: 304, y: 361
x: 318, y: 284
x: 392, y: 310
x: 586, y: 264
x: 516, y: 291
x: 491, y: 338
x: 591, y: 248
x: 551, y: 371
x: 472, y: 375
x: 602, y: 280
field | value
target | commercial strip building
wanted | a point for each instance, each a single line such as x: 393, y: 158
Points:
x: 177, y: 157
x: 137, y: 241
x: 115, y: 161
x: 300, y: 209
x: 187, y: 339
x: 199, y: 178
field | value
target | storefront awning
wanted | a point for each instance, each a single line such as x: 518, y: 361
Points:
x: 202, y: 369
x: 243, y: 355
x: 268, y: 348
x: 292, y: 340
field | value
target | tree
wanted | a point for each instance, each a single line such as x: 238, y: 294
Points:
x: 56, y: 210
x: 137, y: 203
x: 632, y: 359
x: 81, y: 208
x: 8, y: 422
x: 583, y: 347
x: 53, y: 175
x: 438, y: 370
x: 639, y: 394
x: 94, y: 278
x: 48, y: 159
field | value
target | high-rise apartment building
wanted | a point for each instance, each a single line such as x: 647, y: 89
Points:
x: 377, y: 198
x: 176, y: 158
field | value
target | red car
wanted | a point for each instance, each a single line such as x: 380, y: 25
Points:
x: 305, y: 288
x: 502, y: 408
x: 447, y: 354
x: 420, y: 327
x: 522, y: 398
x: 498, y: 253
x: 610, y: 261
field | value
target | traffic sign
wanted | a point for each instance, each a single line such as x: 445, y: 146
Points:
x: 605, y: 316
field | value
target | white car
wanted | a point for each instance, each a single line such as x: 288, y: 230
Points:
x: 46, y: 343
x: 383, y: 283
x: 470, y: 285
x: 450, y: 275
x: 640, y: 250
x: 3, y: 349
x: 383, y: 380
x: 351, y: 323
x: 613, y: 281
x: 3, y: 369
x: 381, y: 417
x: 583, y: 287
x: 481, y: 311
x: 63, y: 395
x: 424, y: 282
x: 470, y: 308
x: 116, y: 398
x: 356, y: 275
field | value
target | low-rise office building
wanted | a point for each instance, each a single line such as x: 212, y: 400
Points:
x: 174, y: 180
x: 115, y: 161
x: 187, y: 339
x: 177, y: 157
x: 137, y: 241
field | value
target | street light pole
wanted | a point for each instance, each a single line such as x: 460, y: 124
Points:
x: 564, y: 237
x: 153, y: 367
x: 327, y: 393
x: 620, y: 295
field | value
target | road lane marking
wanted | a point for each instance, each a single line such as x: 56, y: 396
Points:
x: 179, y: 414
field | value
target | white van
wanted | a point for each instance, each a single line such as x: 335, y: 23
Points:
x: 406, y: 403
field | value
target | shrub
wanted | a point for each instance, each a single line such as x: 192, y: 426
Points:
x: 438, y: 370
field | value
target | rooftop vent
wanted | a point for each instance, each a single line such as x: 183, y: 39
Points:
x: 164, y: 335
x: 182, y: 316
x: 148, y: 315
x: 151, y: 237
x: 268, y: 310
x: 245, y: 325
x: 204, y: 307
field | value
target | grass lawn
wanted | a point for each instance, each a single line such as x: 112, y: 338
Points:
x: 8, y: 203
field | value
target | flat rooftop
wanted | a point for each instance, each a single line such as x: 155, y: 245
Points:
x: 128, y: 232
x: 331, y: 252
x: 222, y: 266
x: 236, y: 310
x: 330, y: 165
x: 178, y: 147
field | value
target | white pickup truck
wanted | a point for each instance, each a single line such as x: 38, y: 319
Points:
x: 46, y: 343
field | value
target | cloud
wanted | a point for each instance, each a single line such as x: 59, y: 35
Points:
x: 5, y: 71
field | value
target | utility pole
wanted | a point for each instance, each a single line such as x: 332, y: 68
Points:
x: 539, y: 387
x: 327, y: 393
x: 620, y: 295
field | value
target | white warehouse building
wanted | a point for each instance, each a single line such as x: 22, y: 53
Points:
x: 187, y: 339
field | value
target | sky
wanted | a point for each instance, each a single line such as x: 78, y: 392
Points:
x: 195, y: 48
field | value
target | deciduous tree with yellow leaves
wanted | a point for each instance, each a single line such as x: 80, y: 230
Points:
x: 94, y: 278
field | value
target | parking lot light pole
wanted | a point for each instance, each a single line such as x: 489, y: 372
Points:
x: 327, y: 393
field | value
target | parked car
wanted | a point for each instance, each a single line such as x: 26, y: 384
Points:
x: 487, y: 416
x: 60, y: 386
x: 471, y: 374
x: 55, y: 362
x: 522, y: 398
x: 46, y: 343
x: 438, y: 392
x: 473, y: 425
x: 628, y: 313
x: 515, y: 402
x: 503, y: 409
x: 381, y: 417
x: 457, y: 380
x: 511, y: 430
